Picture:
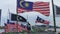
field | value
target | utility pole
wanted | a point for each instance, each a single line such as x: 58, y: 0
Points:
x: 54, y: 16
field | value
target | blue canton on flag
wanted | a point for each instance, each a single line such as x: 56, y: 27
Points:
x: 25, y: 5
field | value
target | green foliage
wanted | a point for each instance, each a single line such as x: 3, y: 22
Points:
x: 12, y: 33
x: 38, y: 29
x: 23, y: 32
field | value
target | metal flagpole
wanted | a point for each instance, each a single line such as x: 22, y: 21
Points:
x: 54, y: 16
x: 9, y: 14
x: 17, y: 17
x: 0, y: 18
x: 9, y: 17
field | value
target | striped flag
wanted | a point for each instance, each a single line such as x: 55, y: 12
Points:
x: 40, y: 20
x: 9, y: 27
x: 42, y: 7
x: 13, y: 27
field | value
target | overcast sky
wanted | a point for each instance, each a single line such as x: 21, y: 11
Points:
x: 11, y: 5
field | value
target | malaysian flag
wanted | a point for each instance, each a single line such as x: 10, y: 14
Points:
x: 13, y: 27
x: 42, y: 7
x: 40, y: 20
x: 9, y: 27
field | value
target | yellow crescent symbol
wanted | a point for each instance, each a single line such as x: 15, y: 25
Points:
x: 21, y: 4
x: 26, y: 4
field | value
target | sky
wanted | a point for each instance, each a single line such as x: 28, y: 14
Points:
x: 10, y: 6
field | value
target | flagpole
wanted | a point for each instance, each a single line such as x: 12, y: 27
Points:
x: 9, y: 13
x: 0, y: 18
x: 9, y: 17
x: 54, y: 16
x: 17, y: 16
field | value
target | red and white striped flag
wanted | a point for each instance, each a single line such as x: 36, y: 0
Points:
x: 41, y: 7
x: 13, y: 28
x: 10, y: 27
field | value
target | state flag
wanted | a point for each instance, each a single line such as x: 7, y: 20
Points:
x: 15, y: 17
x: 40, y: 20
